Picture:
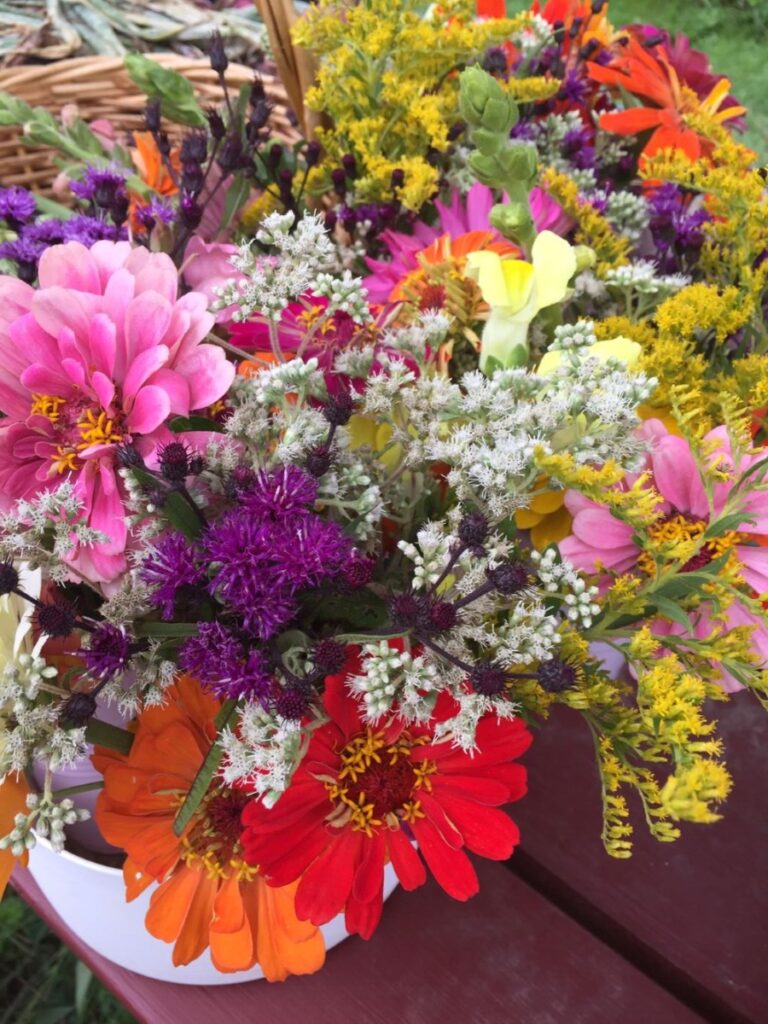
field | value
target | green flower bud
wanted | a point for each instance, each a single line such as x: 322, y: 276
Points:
x: 512, y: 219
x: 586, y: 257
x: 484, y: 104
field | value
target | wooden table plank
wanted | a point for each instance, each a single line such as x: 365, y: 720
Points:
x: 693, y: 914
x: 507, y: 956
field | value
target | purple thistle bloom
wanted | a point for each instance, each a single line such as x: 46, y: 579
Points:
x: 573, y: 89
x: 157, y: 210
x: 261, y: 566
x: 17, y: 206
x: 273, y: 494
x: 100, y: 185
x: 173, y: 565
x: 677, y: 230
x: 219, y: 662
x: 109, y: 651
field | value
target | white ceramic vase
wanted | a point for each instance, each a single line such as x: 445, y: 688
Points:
x: 90, y: 899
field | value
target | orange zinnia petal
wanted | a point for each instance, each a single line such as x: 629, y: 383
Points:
x: 13, y: 801
x: 277, y: 953
x: 630, y: 122
x: 231, y: 938
x: 170, y: 903
x: 135, y: 880
x: 193, y: 939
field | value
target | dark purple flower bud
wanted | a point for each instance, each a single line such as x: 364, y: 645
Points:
x: 318, y: 461
x: 231, y: 153
x: 495, y: 61
x: 312, y: 154
x: 258, y: 93
x: 192, y: 177
x: 275, y: 155
x: 473, y: 529
x: 292, y: 702
x: 456, y: 131
x: 119, y: 210
x: 329, y: 657
x: 331, y: 219
x: 152, y: 118
x: 190, y: 212
x: 443, y: 616
x: 349, y: 164
x: 217, y: 56
x: 257, y: 119
x: 194, y: 148
x: 56, y: 619
x: 358, y: 572
x: 173, y: 460
x: 339, y: 408
x: 348, y: 220
x: 163, y: 144
x: 509, y: 578
x: 9, y: 578
x: 488, y: 679
x: 216, y: 124
x: 78, y: 709
x: 398, y: 177
x: 128, y: 456
x: 555, y: 675
x: 339, y: 179
x: 109, y: 651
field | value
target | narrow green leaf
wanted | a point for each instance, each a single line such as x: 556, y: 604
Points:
x: 180, y: 514
x: 176, y: 95
x: 166, y: 629
x: 103, y: 734
x: 237, y: 193
x: 671, y: 610
x: 206, y: 773
x: 83, y: 979
x: 182, y: 424
x: 731, y: 522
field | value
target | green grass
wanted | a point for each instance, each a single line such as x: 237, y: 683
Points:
x: 734, y: 39
x: 41, y: 982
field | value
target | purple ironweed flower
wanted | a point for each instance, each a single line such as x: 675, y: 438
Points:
x: 677, y: 230
x: 109, y: 651
x: 88, y: 230
x: 220, y: 663
x: 260, y: 565
x: 102, y: 186
x: 17, y: 206
x: 573, y: 89
x: 272, y: 494
x: 157, y: 210
x: 577, y: 147
x: 172, y: 566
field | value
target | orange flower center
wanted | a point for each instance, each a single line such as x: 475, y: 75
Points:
x: 378, y: 782
x: 214, y: 838
x: 677, y: 528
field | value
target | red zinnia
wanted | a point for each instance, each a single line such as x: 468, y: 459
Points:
x: 362, y: 793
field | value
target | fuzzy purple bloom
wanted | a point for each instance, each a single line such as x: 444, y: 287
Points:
x: 102, y: 186
x: 172, y: 566
x: 272, y: 494
x: 156, y: 211
x: 109, y: 651
x: 677, y: 230
x: 261, y: 565
x: 17, y: 206
x: 219, y: 661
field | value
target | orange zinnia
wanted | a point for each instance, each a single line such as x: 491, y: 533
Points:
x: 652, y: 76
x: 446, y: 250
x: 207, y: 894
x: 13, y: 801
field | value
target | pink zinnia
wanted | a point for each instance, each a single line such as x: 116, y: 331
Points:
x: 461, y: 216
x: 101, y: 353
x: 600, y: 538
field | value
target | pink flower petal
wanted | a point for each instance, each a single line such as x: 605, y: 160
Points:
x: 151, y: 408
x: 598, y: 527
x: 208, y: 373
x: 69, y: 266
x: 146, y: 321
x: 142, y: 367
x: 104, y: 389
x: 177, y: 389
x: 677, y: 478
x: 755, y: 562
x: 102, y: 340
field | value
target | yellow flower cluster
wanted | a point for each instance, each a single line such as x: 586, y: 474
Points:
x: 636, y: 505
x: 399, y: 96
x: 592, y: 227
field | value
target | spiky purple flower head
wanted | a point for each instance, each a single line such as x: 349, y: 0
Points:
x: 17, y: 206
x: 109, y: 651
x: 273, y: 494
x: 220, y: 662
x: 172, y: 566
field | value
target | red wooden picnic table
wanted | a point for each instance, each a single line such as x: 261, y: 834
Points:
x: 562, y: 935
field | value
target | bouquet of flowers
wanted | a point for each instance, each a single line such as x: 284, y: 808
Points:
x: 328, y: 471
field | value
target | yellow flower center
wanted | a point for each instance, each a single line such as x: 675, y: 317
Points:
x: 378, y: 782
x: 78, y: 427
x: 677, y: 537
x: 213, y: 841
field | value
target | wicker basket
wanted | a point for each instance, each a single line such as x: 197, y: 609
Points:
x: 101, y: 88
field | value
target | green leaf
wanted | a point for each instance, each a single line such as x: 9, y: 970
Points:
x: 176, y: 95
x: 83, y: 979
x: 205, y: 775
x: 237, y: 193
x: 363, y: 610
x: 671, y: 610
x: 683, y: 585
x: 730, y: 522
x: 166, y: 629
x: 182, y: 424
x: 180, y: 514
x: 102, y: 734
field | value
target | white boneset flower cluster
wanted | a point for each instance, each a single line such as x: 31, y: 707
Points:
x: 263, y: 752
x: 345, y: 294
x: 492, y: 431
x: 559, y: 577
x: 48, y: 818
x: 533, y: 37
x: 642, y: 277
x: 392, y: 677
x: 574, y: 336
x: 429, y: 554
x: 44, y: 531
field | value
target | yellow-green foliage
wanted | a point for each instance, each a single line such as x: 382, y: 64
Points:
x: 388, y: 82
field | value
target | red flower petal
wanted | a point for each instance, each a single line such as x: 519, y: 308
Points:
x: 341, y: 707
x: 327, y: 883
x: 369, y: 878
x: 486, y: 831
x: 408, y: 865
x: 492, y: 792
x: 452, y: 869
x: 362, y: 918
